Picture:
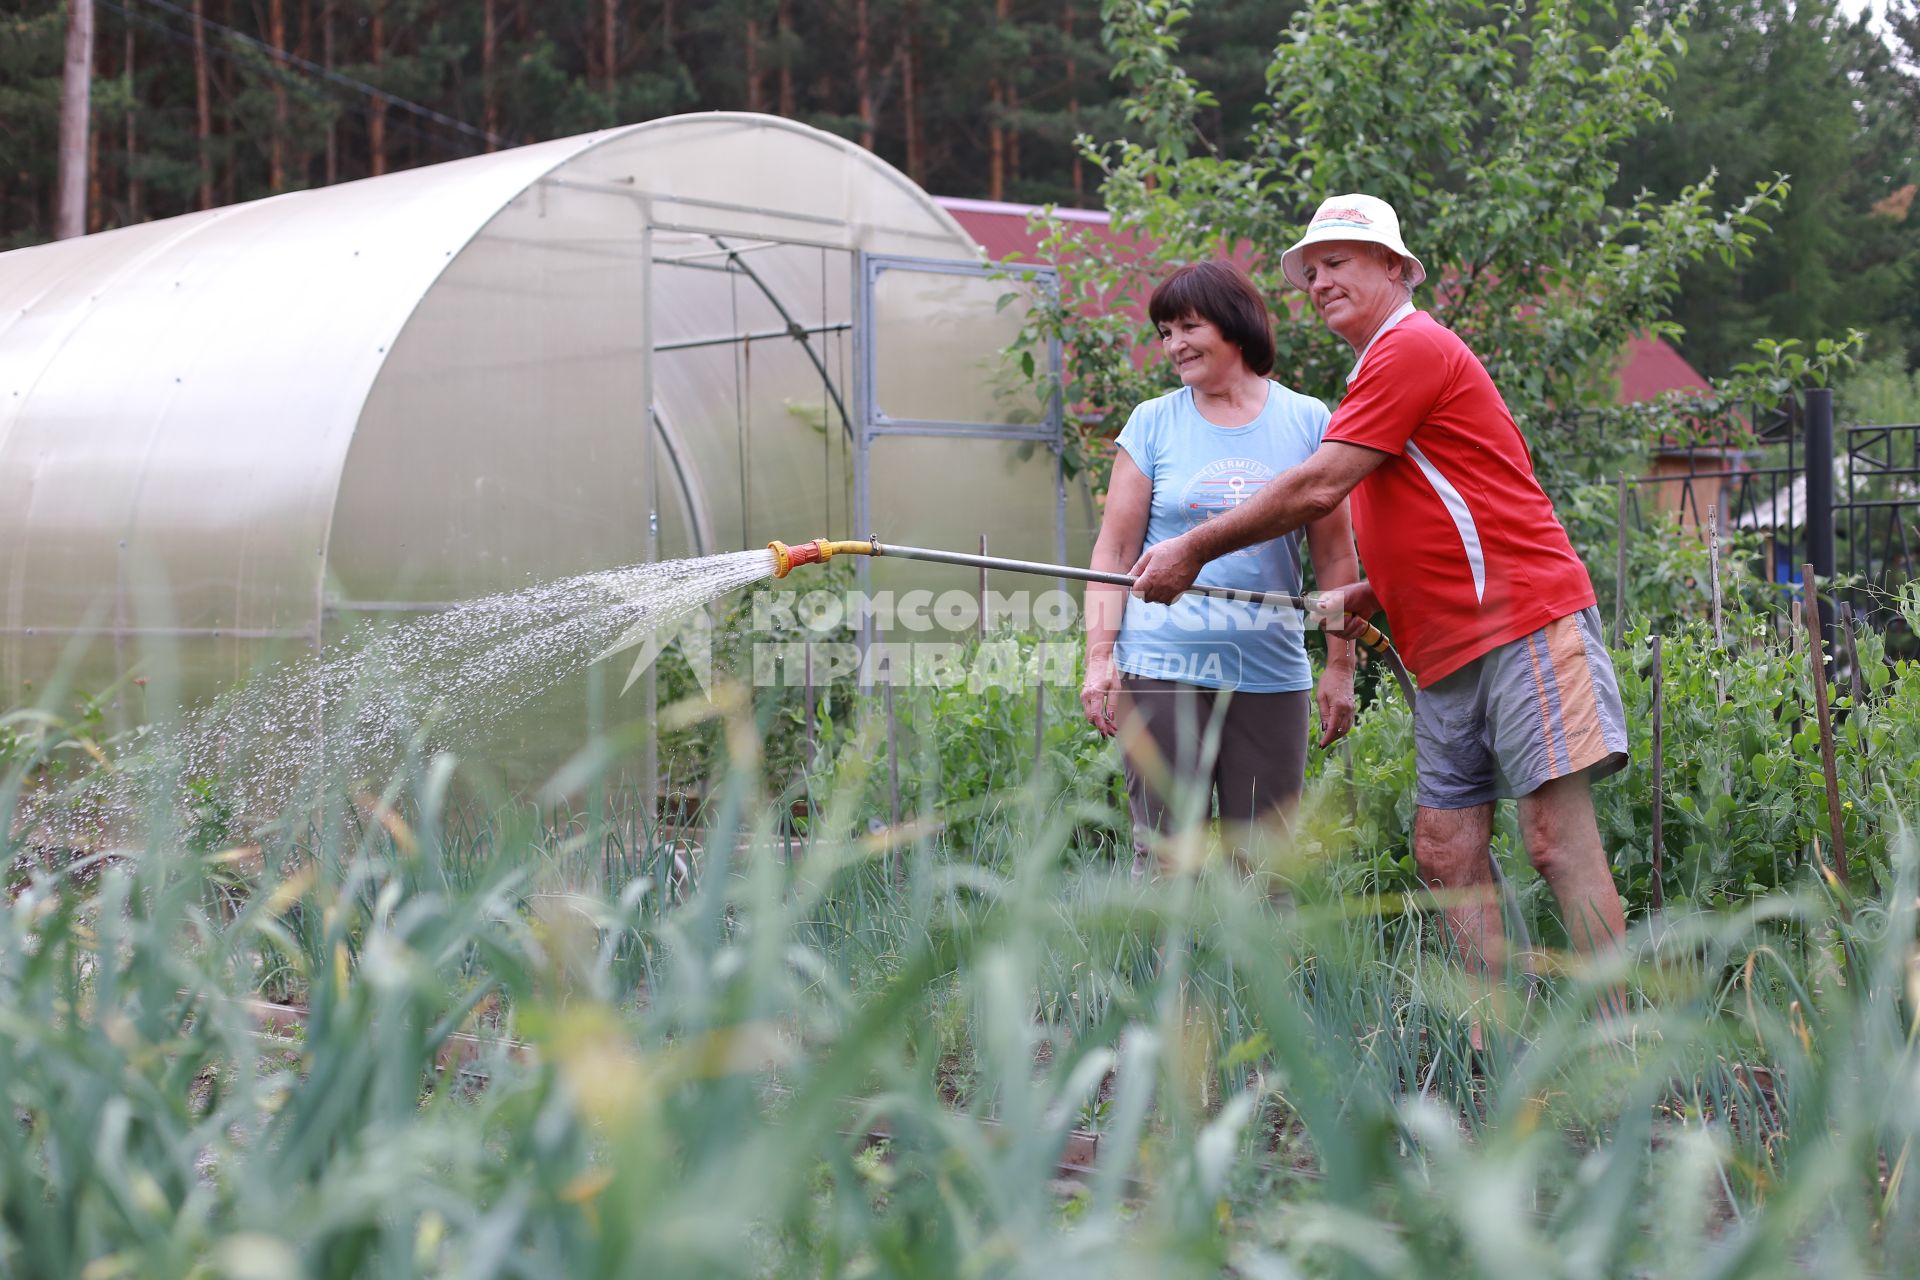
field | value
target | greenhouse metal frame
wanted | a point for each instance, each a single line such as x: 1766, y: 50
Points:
x: 232, y: 433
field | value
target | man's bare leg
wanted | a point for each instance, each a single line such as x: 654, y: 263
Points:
x: 1563, y: 840
x: 1450, y: 846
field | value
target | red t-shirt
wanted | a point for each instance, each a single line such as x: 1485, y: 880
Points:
x: 1458, y: 538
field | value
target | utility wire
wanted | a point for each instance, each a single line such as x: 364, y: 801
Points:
x: 400, y: 127
x: 326, y: 73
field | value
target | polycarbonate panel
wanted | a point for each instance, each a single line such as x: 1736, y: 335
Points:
x: 943, y: 349
x: 945, y: 492
x: 520, y: 386
x: 176, y: 398
x: 221, y: 431
x: 763, y: 428
x: 761, y: 177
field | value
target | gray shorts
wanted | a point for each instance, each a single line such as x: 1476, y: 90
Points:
x: 1542, y: 707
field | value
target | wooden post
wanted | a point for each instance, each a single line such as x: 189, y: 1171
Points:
x: 806, y: 667
x: 1659, y: 784
x: 1719, y: 628
x: 893, y: 753
x: 1856, y: 683
x: 1620, y: 563
x: 1817, y: 659
x: 983, y: 589
x: 1353, y: 796
x: 1039, y: 711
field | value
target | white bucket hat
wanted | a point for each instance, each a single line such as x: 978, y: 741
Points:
x: 1351, y: 217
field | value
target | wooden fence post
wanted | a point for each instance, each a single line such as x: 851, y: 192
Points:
x: 983, y: 588
x: 1719, y: 628
x: 806, y: 666
x: 1620, y: 562
x: 1659, y: 784
x: 1856, y: 683
x: 1817, y: 660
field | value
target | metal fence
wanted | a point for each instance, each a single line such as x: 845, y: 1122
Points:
x: 1844, y: 499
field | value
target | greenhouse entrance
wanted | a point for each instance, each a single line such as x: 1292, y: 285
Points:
x: 886, y: 361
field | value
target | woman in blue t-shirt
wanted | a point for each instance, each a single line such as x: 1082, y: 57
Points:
x: 1166, y: 669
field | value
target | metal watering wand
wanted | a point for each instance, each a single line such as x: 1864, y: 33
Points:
x: 786, y: 559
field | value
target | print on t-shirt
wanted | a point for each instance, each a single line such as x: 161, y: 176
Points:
x: 1219, y: 487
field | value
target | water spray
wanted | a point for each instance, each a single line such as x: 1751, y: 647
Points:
x: 820, y: 550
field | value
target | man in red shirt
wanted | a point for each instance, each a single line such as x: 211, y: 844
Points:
x: 1489, y: 605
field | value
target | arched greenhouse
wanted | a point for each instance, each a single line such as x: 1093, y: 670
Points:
x: 236, y: 431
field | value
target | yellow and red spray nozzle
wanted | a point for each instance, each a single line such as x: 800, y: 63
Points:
x: 786, y: 558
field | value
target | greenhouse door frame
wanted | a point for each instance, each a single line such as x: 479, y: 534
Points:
x: 872, y: 423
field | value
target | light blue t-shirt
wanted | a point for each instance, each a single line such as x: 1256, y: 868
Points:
x: 1200, y: 471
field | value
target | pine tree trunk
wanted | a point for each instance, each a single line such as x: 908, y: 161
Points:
x: 300, y: 164
x: 909, y: 56
x: 230, y: 177
x: 203, y: 105
x: 1013, y: 132
x: 754, y: 99
x: 136, y: 189
x: 666, y: 28
x: 277, y: 148
x: 96, y: 205
x: 489, y: 91
x: 996, y: 114
x: 377, y: 113
x: 787, y: 108
x: 863, y: 69
x: 610, y: 50
x: 996, y: 142
x: 76, y: 93
x: 326, y: 60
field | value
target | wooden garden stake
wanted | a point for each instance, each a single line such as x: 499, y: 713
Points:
x: 1719, y: 628
x: 1353, y: 796
x: 893, y: 755
x: 983, y: 588
x: 1659, y: 787
x: 1856, y: 683
x: 1818, y: 661
x: 806, y: 667
x: 1039, y: 714
x: 1620, y: 563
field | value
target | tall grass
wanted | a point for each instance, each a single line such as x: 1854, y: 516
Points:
x: 1281, y: 1084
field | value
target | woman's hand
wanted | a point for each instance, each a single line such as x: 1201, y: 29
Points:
x: 1100, y: 694
x: 1335, y: 696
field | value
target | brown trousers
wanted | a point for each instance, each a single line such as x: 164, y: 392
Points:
x: 1257, y: 767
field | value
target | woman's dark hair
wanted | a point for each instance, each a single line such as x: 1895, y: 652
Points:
x: 1219, y: 293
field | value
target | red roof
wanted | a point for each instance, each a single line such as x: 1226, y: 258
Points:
x: 1648, y: 367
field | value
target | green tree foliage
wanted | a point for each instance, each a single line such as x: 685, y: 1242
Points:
x: 1794, y: 87
x: 978, y: 98
x: 1490, y: 126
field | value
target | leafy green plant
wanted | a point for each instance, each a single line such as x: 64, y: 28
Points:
x: 1491, y: 127
x: 706, y: 1113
